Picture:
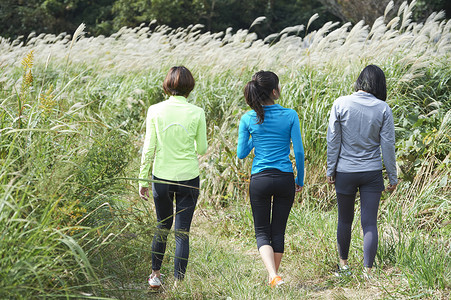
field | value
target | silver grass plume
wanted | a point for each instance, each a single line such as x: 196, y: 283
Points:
x: 258, y: 21
x: 77, y: 33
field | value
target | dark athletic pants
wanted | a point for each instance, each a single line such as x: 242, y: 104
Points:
x: 185, y: 199
x: 270, y: 223
x: 370, y: 185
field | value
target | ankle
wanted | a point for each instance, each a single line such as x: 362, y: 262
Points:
x: 272, y: 276
x: 343, y: 262
x: 367, y: 273
x: 156, y: 273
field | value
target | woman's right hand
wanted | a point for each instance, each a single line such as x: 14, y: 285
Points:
x: 144, y: 193
x: 298, y: 188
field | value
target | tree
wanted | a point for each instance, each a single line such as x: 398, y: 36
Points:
x: 178, y: 13
x: 219, y: 15
x: 424, y: 8
x: 289, y: 13
x: 370, y: 10
x: 356, y: 10
x: 21, y: 17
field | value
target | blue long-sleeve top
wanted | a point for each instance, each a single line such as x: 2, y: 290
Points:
x: 360, y: 126
x: 271, y: 140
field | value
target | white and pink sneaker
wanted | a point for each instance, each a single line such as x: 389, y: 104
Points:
x: 154, y: 282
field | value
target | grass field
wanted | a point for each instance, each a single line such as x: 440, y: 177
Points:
x: 72, y: 111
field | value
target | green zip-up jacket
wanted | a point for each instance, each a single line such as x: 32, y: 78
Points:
x: 175, y: 133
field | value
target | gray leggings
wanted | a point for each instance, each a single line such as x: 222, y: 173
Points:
x: 370, y: 185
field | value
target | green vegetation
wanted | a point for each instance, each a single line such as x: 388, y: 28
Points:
x: 20, y: 17
x: 72, y: 111
x: 108, y: 16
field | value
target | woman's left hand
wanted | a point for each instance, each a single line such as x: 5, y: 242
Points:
x: 391, y: 187
x: 144, y: 193
x: 330, y: 179
x: 298, y: 188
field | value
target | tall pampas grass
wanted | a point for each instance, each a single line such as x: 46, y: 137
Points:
x: 77, y: 34
x: 142, y: 48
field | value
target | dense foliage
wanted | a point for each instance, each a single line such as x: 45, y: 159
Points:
x: 370, y: 10
x: 105, y: 17
x: 72, y: 110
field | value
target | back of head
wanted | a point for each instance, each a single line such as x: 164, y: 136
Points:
x: 259, y: 91
x: 372, y: 80
x: 178, y: 82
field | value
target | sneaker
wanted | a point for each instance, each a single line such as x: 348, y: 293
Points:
x: 276, y: 282
x: 343, y: 271
x: 154, y: 282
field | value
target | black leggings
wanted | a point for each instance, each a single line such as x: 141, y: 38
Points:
x: 185, y: 199
x: 270, y: 223
x: 370, y: 185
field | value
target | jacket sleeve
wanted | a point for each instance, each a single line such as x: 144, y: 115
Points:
x: 245, y: 144
x: 148, y: 152
x: 333, y: 141
x: 387, y: 138
x: 201, y: 135
x: 298, y: 149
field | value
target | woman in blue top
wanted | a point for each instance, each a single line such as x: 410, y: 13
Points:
x: 360, y: 128
x: 269, y: 129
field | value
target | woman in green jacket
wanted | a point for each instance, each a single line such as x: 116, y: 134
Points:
x: 175, y: 134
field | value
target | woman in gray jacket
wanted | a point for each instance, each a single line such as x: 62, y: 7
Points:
x: 360, y: 128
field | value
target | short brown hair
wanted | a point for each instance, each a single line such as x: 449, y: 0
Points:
x: 179, y: 81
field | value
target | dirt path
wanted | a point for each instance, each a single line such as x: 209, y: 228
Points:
x: 217, y: 231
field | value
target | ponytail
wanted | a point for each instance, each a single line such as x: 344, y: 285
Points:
x: 259, y: 91
x: 253, y: 99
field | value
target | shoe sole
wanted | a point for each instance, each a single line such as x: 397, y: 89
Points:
x: 343, y: 275
x: 280, y: 284
x: 154, y: 287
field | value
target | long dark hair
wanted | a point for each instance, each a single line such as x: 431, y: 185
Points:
x: 259, y: 90
x: 372, y: 80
